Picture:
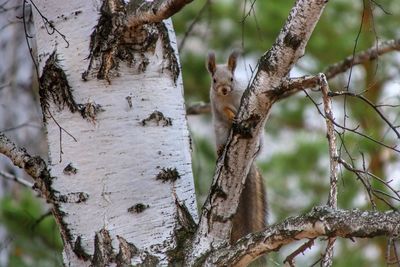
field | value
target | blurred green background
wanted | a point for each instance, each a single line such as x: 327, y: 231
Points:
x: 294, y: 160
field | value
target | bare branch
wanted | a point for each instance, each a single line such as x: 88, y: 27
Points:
x: 35, y: 166
x: 290, y: 86
x: 191, y: 26
x: 16, y: 179
x: 290, y: 259
x: 327, y: 259
x: 354, y: 130
x: 364, y: 56
x: 375, y: 107
x: 199, y: 108
x: 25, y: 124
x: 321, y: 221
x: 330, y: 134
x: 371, y: 191
x: 143, y: 12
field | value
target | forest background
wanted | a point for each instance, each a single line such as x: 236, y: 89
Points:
x: 294, y: 165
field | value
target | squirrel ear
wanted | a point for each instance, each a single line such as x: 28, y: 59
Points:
x: 232, y: 61
x: 211, y: 63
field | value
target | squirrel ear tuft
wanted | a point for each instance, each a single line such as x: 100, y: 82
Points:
x: 232, y: 61
x: 211, y: 66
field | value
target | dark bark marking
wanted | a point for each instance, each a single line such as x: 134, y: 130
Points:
x: 246, y: 127
x: 103, y: 250
x: 183, y: 233
x: 267, y: 63
x: 54, y: 86
x: 76, y: 197
x: 138, y: 208
x: 129, y: 99
x: 217, y: 191
x: 64, y: 227
x: 149, y: 260
x: 169, y: 52
x: 157, y: 117
x: 70, y: 169
x: 106, y: 37
x: 90, y: 110
x: 168, y: 175
x: 79, y: 250
x: 126, y: 252
x: 292, y: 41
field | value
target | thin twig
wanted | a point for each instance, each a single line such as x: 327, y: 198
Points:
x: 354, y: 130
x: 248, y: 12
x: 327, y: 258
x: 25, y: 124
x: 194, y: 22
x: 16, y: 179
x: 41, y: 218
x: 290, y: 259
x: 371, y: 191
x: 366, y: 100
x: 53, y: 29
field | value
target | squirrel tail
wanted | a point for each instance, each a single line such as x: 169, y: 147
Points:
x: 251, y: 215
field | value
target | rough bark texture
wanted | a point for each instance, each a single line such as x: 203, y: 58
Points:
x: 232, y: 168
x: 143, y: 12
x: 110, y: 204
x: 321, y: 221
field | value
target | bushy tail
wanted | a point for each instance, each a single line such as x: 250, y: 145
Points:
x: 251, y: 215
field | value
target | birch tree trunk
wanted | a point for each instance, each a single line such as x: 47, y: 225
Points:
x: 118, y: 140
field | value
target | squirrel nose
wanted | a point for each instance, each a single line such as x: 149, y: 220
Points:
x: 224, y: 90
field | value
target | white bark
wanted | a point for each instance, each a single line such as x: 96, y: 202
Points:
x: 117, y: 157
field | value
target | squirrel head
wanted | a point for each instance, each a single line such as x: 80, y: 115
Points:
x: 222, y: 75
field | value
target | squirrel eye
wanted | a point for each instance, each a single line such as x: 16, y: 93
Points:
x: 214, y: 80
x: 232, y: 79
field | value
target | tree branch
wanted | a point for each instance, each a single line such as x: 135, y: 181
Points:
x: 290, y: 259
x: 321, y: 221
x: 364, y: 56
x: 35, y: 166
x: 330, y: 134
x: 16, y: 179
x: 143, y: 12
x: 198, y: 108
x: 372, y: 105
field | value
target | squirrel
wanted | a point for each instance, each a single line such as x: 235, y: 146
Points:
x: 225, y: 96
